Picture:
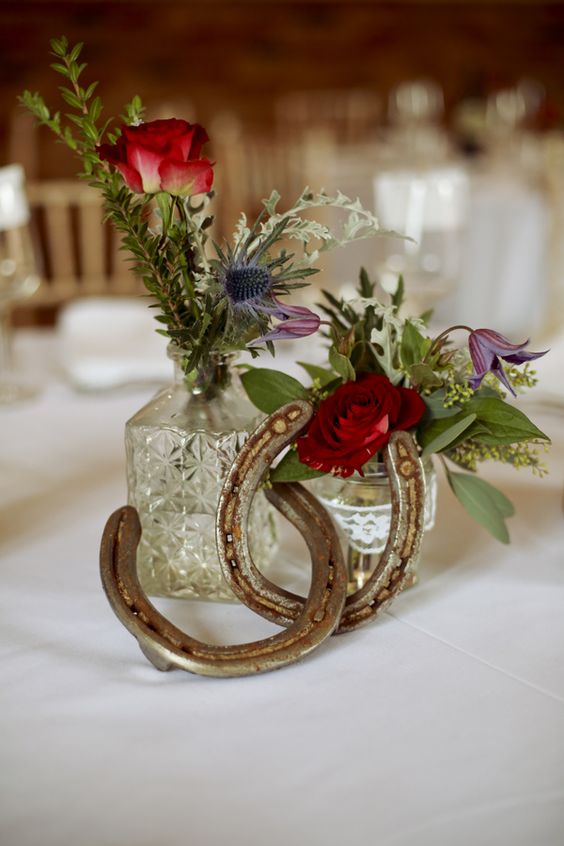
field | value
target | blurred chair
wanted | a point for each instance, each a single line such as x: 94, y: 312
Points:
x: 78, y: 252
x: 346, y: 116
x: 250, y: 166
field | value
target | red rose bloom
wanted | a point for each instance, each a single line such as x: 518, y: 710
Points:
x: 355, y: 422
x: 161, y: 155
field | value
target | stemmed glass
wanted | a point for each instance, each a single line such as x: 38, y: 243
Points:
x: 429, y: 206
x: 19, y: 278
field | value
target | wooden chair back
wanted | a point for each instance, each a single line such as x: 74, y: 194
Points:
x: 78, y: 252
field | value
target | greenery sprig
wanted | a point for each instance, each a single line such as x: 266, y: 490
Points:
x: 205, y: 304
x: 463, y: 425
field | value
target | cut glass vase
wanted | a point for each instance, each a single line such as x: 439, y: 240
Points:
x: 179, y: 448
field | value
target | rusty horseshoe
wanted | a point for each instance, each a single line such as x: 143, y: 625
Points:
x: 317, y: 616
x: 407, y: 485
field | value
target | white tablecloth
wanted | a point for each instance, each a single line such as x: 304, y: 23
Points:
x: 443, y: 723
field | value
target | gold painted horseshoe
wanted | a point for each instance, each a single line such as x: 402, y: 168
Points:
x: 169, y: 648
x: 407, y: 484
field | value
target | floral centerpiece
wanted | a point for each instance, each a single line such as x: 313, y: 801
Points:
x: 386, y: 372
x: 211, y: 300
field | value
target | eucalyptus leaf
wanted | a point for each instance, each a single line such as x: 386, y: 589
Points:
x: 270, y: 389
x: 502, y: 423
x: 325, y: 376
x: 441, y: 433
x: 341, y: 365
x: 291, y: 469
x: 483, y: 502
x: 435, y: 405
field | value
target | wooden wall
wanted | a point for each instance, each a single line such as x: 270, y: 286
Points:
x: 241, y: 55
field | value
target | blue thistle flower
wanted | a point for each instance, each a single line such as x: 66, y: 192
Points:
x: 245, y: 283
x: 250, y: 281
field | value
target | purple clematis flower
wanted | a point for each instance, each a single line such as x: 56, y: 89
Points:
x: 487, y: 348
x: 296, y: 322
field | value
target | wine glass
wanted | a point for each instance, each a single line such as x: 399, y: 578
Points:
x: 428, y: 205
x: 18, y: 273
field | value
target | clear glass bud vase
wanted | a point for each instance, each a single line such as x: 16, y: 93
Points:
x: 361, y: 508
x: 179, y: 448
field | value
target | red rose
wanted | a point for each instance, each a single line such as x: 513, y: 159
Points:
x: 161, y: 155
x: 355, y: 422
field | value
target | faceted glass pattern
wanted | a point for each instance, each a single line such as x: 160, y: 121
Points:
x: 179, y: 449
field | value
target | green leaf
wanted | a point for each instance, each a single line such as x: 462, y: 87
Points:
x: 435, y: 406
x: 291, y: 469
x: 76, y: 50
x: 325, y: 376
x: 70, y: 98
x: 341, y: 365
x: 411, y: 342
x: 501, y: 423
x: 166, y: 208
x: 399, y: 296
x: 483, y: 502
x: 270, y: 389
x: 423, y: 375
x: 90, y: 90
x: 440, y: 433
x: 95, y: 109
x: 364, y: 358
x: 413, y: 345
x: 365, y: 287
x: 56, y: 66
x: 59, y: 46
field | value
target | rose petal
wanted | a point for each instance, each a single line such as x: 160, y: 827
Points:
x: 412, y: 408
x: 199, y: 138
x: 181, y: 179
x: 147, y: 163
x: 116, y: 155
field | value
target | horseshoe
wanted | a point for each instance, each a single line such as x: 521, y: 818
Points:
x: 407, y: 484
x: 169, y: 648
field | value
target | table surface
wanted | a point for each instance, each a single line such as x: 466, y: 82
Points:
x: 441, y: 723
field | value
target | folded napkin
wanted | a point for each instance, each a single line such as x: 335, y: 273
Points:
x: 107, y: 342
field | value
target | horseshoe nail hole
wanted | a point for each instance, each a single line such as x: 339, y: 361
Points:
x: 229, y: 538
x: 235, y: 489
x: 233, y: 562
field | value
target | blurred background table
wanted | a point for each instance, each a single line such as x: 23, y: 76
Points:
x: 441, y: 723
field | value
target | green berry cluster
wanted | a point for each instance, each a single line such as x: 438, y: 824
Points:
x: 470, y: 453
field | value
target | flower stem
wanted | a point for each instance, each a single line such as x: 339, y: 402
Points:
x: 196, y: 236
x: 445, y: 334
